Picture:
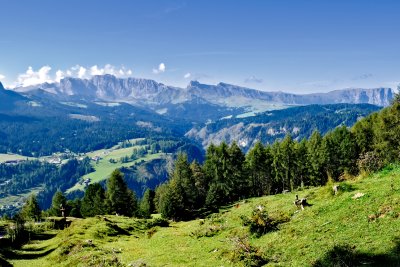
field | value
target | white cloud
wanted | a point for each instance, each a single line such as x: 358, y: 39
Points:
x: 59, y: 75
x: 2, y: 77
x: 31, y: 77
x: 110, y: 69
x: 363, y: 76
x: 161, y: 68
x: 94, y: 70
x: 187, y: 75
x: 81, y: 72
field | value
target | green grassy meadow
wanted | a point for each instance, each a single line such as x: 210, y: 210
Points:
x: 7, y: 157
x: 337, y: 228
x: 103, y: 167
x: 6, y: 200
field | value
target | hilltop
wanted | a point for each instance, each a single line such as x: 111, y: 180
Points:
x: 358, y: 226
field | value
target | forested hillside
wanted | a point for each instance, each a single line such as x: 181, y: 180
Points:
x: 298, y: 121
x: 228, y: 175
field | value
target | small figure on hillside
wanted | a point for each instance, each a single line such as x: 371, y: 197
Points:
x: 335, y: 189
x: 62, y: 209
x: 301, y: 202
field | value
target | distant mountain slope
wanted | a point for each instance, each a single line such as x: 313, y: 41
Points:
x: 300, y: 122
x: 168, y: 100
x: 223, y: 93
x: 8, y: 98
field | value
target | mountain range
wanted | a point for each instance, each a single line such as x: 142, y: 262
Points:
x: 163, y: 98
x: 204, y: 113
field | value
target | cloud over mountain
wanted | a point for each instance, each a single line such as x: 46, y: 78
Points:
x: 161, y: 68
x: 44, y: 74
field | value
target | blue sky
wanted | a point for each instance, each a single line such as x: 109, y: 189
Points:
x: 274, y: 45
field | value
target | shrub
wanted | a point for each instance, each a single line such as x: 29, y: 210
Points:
x: 157, y: 222
x: 259, y: 223
x: 207, y: 230
x: 247, y: 254
x: 369, y: 162
x: 341, y: 256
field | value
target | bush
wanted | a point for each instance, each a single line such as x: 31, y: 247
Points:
x: 209, y: 227
x: 259, y: 222
x: 369, y: 162
x: 341, y: 256
x: 247, y: 254
x: 157, y: 222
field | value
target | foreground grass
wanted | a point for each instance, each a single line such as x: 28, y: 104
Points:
x: 366, y: 230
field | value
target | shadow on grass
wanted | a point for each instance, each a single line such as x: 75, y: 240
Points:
x: 118, y: 230
x: 26, y: 254
x: 42, y: 236
x: 32, y: 249
x: 4, y: 263
x: 347, y: 256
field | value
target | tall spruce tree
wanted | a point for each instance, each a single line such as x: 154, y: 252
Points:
x: 284, y: 162
x: 93, y: 202
x: 172, y: 203
x: 258, y: 170
x: 301, y: 164
x: 31, y: 209
x: 201, y: 183
x: 119, y: 198
x: 342, y: 152
x: 317, y: 159
x: 59, y: 201
x: 147, y: 204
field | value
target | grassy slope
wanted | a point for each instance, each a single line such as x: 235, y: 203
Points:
x: 7, y: 157
x: 370, y: 225
x: 20, y: 197
x: 103, y: 168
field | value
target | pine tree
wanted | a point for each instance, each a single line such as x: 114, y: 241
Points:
x: 236, y: 172
x: 93, y: 202
x: 74, y: 207
x: 172, y: 202
x: 59, y: 201
x: 201, y: 183
x: 284, y: 162
x: 342, y: 152
x: 301, y: 164
x: 31, y: 209
x: 119, y: 198
x: 161, y: 190
x: 317, y: 159
x: 258, y: 170
x: 147, y: 203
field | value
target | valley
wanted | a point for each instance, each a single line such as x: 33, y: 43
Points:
x: 97, y: 118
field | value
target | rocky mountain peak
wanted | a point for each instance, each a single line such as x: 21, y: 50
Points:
x: 194, y: 84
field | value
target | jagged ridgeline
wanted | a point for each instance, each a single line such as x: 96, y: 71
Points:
x: 273, y: 125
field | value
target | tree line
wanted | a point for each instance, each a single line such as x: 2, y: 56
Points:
x: 116, y: 199
x: 228, y: 175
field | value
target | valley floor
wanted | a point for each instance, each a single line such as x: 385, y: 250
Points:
x: 359, y: 226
